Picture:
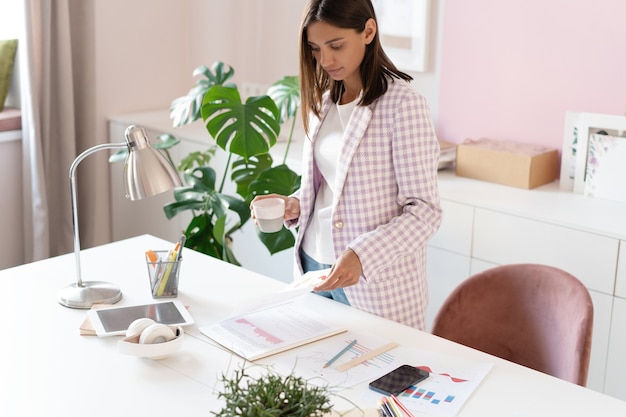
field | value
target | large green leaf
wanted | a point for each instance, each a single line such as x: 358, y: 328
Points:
x: 286, y: 93
x: 200, y: 194
x: 195, y: 196
x: 197, y: 158
x: 279, y: 179
x: 279, y: 241
x: 244, y: 172
x: 243, y: 129
x: 237, y: 206
x: 199, y: 236
x: 186, y: 109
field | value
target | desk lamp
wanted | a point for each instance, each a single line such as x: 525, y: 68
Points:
x: 146, y: 173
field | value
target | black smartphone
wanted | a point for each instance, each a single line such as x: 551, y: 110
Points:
x: 398, y: 380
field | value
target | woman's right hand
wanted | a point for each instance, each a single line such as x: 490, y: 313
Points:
x: 292, y: 206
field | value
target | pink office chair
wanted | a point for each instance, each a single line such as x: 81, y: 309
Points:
x: 535, y: 315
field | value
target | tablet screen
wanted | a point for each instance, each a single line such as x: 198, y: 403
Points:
x: 118, y: 319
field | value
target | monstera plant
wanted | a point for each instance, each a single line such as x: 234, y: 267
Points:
x: 246, y: 131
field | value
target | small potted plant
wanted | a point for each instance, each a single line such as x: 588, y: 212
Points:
x: 271, y: 395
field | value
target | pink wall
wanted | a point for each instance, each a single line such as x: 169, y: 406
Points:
x: 511, y: 69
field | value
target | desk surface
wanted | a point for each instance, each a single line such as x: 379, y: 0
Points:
x: 48, y: 369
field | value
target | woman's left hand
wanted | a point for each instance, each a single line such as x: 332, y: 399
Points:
x: 345, y: 272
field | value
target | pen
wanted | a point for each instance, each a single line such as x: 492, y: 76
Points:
x: 181, y: 245
x: 340, y: 353
x: 171, y: 258
x: 366, y: 356
x: 392, y: 406
x: 384, y: 407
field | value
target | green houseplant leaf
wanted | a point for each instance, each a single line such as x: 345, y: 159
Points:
x: 245, y: 129
x: 209, y: 231
x: 286, y: 94
x: 279, y: 180
x: 245, y: 172
x: 186, y: 109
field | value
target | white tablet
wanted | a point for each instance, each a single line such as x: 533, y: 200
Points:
x: 111, y: 321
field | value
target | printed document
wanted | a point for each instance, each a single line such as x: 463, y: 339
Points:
x: 271, y: 329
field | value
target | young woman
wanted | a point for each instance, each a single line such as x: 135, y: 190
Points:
x: 369, y: 200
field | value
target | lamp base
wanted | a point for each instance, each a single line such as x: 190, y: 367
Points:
x: 90, y: 293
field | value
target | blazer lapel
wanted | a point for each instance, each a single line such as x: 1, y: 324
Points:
x: 353, y: 135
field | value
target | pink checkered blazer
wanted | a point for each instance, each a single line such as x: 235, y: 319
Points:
x: 387, y: 205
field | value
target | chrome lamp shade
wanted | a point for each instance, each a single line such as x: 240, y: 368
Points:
x: 147, y: 172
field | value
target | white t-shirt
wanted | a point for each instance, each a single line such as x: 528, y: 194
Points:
x: 317, y: 240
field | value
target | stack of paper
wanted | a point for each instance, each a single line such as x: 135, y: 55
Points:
x: 271, y: 329
x: 447, y: 155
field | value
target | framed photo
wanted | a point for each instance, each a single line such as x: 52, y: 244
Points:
x: 588, y: 124
x: 606, y: 167
x: 403, y: 31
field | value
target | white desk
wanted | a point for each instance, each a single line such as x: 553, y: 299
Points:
x: 48, y: 369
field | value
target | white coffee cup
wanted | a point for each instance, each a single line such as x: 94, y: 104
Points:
x: 270, y: 214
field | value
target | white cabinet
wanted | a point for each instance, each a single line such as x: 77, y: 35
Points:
x: 616, y: 363
x: 620, y: 283
x: 455, y: 232
x: 445, y: 271
x: 504, y: 239
x: 487, y: 224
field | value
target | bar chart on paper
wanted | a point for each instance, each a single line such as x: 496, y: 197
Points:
x: 447, y: 388
x: 309, y: 361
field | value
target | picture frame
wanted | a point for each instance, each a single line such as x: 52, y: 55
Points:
x: 606, y: 169
x: 591, y: 123
x: 403, y: 27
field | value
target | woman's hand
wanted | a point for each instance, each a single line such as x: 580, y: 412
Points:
x: 345, y: 272
x: 292, y: 206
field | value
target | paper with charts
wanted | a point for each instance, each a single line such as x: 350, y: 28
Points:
x: 271, y: 329
x: 451, y: 382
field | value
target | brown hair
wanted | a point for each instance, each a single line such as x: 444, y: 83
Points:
x: 375, y: 68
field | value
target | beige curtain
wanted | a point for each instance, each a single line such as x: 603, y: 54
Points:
x: 55, y: 115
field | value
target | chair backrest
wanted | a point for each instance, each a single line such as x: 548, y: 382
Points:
x: 535, y: 315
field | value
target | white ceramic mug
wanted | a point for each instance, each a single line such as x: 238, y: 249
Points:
x: 270, y: 214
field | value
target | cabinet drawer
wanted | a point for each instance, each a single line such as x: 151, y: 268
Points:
x: 620, y: 283
x: 445, y: 270
x: 455, y: 232
x: 503, y: 239
x: 615, y: 382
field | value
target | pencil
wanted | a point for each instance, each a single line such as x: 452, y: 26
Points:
x: 402, y: 406
x: 392, y: 406
x: 340, y: 354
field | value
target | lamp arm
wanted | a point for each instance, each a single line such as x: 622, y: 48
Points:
x: 73, y: 167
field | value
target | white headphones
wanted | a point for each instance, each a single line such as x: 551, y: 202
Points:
x: 150, y: 331
x: 149, y: 339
